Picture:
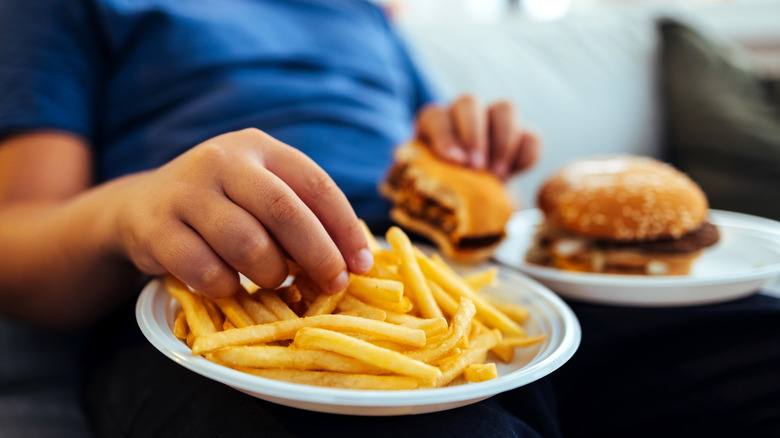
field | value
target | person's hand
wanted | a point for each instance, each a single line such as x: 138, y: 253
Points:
x: 467, y: 134
x: 241, y: 202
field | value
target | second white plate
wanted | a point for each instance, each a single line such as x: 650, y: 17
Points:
x: 746, y: 258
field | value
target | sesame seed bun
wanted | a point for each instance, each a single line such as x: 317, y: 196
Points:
x: 623, y: 198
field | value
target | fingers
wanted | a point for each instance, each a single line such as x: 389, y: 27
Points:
x: 238, y: 239
x: 471, y: 128
x: 469, y: 135
x: 435, y: 128
x: 503, y: 138
x: 529, y: 151
x: 304, y: 211
x: 328, y: 203
x: 189, y: 258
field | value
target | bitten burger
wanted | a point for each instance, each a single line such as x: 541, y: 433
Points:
x: 622, y: 215
x: 463, y: 211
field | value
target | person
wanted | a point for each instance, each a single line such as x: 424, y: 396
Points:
x: 143, y: 138
x: 207, y: 139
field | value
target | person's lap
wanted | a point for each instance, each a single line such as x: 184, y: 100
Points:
x: 692, y: 371
x: 134, y: 390
x: 639, y: 372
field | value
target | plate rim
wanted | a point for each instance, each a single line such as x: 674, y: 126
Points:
x: 335, y: 397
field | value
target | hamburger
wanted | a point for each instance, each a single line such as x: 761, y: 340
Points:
x: 621, y: 215
x: 463, y: 211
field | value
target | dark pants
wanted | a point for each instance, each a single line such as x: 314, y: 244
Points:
x: 699, y: 371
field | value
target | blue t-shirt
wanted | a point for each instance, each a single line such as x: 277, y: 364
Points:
x: 144, y: 80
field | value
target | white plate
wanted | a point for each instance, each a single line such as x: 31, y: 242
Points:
x: 746, y: 258
x: 155, y: 312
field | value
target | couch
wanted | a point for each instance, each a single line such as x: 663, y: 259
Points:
x: 589, y: 83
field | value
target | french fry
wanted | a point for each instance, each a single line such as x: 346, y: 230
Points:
x: 234, y: 312
x: 480, y: 372
x: 476, y: 352
x: 458, y: 329
x: 325, y: 303
x: 317, y: 338
x: 446, y: 303
x: 411, y: 273
x: 478, y: 280
x: 286, y: 329
x: 453, y: 284
x: 266, y: 356
x: 276, y: 305
x: 377, y: 291
x: 523, y: 341
x: 380, y: 270
x: 503, y: 351
x: 257, y: 310
x: 431, y: 326
x: 387, y: 257
x: 309, y: 290
x: 216, y: 315
x: 290, y: 294
x: 336, y: 380
x: 517, y: 312
x: 354, y: 306
x: 180, y: 328
x: 198, y: 318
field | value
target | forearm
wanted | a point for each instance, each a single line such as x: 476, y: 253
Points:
x: 60, y: 263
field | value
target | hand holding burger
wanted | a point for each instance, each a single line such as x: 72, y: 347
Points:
x: 447, y: 185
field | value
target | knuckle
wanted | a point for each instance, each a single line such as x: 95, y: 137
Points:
x: 254, y: 134
x: 210, y: 153
x: 211, y: 278
x: 284, y: 210
x: 321, y: 185
x: 271, y: 278
x: 329, y: 263
x: 253, y: 249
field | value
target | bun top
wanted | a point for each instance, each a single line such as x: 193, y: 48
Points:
x: 624, y: 198
x: 478, y: 198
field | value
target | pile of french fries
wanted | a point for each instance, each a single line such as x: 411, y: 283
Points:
x: 411, y: 322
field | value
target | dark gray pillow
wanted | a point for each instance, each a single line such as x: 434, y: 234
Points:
x: 722, y: 121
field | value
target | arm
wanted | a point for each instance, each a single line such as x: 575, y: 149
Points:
x: 241, y: 202
x: 51, y: 272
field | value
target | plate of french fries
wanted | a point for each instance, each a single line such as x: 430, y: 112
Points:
x: 416, y: 334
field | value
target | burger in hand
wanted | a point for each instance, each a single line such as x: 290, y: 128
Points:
x: 622, y: 215
x: 463, y: 211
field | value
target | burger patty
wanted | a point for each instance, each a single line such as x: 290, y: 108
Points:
x: 704, y: 236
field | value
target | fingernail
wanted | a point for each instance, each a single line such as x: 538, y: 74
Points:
x: 364, y: 260
x: 340, y: 283
x: 456, y: 154
x: 500, y: 168
x: 478, y: 160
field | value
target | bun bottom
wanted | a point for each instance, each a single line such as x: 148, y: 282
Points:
x: 619, y: 261
x: 441, y: 240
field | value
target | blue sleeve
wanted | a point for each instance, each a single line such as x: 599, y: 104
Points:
x: 49, y: 66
